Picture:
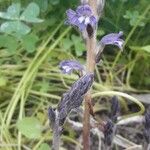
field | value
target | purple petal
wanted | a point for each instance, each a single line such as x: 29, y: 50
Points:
x: 81, y: 17
x: 84, y: 10
x: 72, y: 16
x: 93, y: 20
x: 119, y: 43
x: 70, y: 13
x: 113, y: 39
x: 67, y: 66
x: 82, y: 26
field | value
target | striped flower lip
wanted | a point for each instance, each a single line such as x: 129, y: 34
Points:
x: 67, y: 66
x: 81, y: 17
x: 113, y: 39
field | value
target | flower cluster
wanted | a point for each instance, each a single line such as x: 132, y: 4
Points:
x: 82, y: 17
x: 71, y: 99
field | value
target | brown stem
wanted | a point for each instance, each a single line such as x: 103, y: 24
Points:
x: 91, y: 47
x: 93, y: 4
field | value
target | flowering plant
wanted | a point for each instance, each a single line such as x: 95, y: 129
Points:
x: 82, y: 17
x: 85, y: 18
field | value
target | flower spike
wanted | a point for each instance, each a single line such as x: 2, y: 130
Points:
x: 70, y: 100
x: 74, y: 97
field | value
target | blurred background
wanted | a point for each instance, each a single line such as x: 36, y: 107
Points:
x: 32, y: 47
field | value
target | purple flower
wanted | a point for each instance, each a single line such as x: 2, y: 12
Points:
x: 81, y: 17
x: 113, y: 39
x: 67, y: 66
x: 109, y: 39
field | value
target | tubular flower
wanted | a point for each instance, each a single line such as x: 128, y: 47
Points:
x: 113, y: 39
x: 67, y: 66
x: 82, y: 17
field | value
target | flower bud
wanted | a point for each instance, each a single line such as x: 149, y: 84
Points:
x: 74, y: 97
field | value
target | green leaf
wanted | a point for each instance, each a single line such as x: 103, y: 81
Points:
x: 143, y: 48
x: 76, y: 39
x: 67, y: 43
x: 12, y: 13
x: 42, y: 4
x: 29, y: 42
x: 14, y: 10
x: 100, y: 32
x: 30, y: 127
x: 133, y: 17
x: 30, y: 14
x: 79, y: 49
x: 44, y: 146
x: 128, y: 15
x: 78, y: 45
x: 14, y: 26
x: 8, y: 42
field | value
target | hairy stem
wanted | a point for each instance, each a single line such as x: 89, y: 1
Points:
x: 93, y: 4
x: 91, y: 47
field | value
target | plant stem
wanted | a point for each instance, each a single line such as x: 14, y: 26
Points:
x: 91, y: 47
x: 90, y: 68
